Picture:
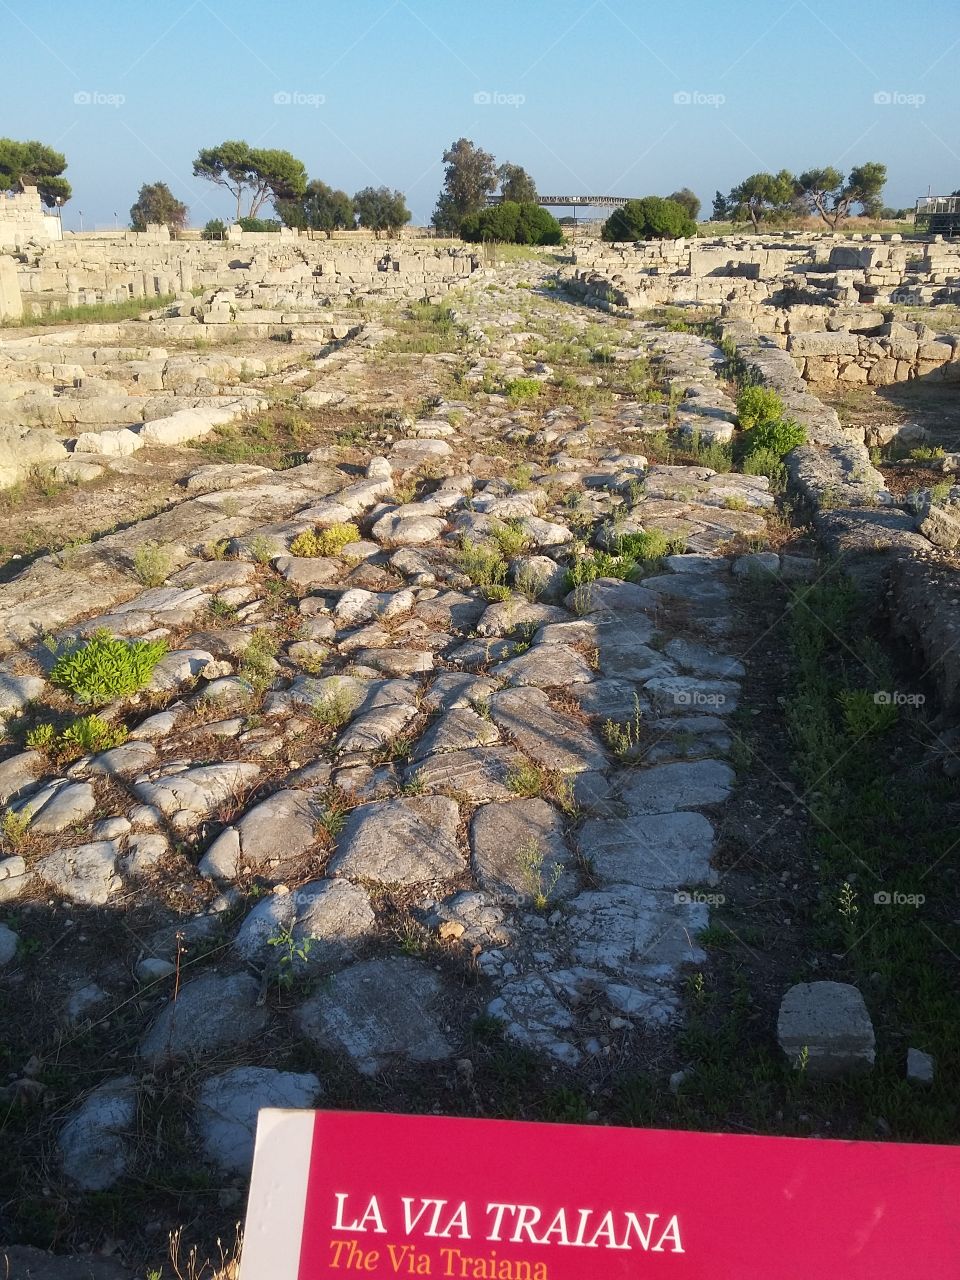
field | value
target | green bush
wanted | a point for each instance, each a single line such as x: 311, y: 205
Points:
x: 764, y: 462
x: 106, y: 668
x: 215, y: 229
x: 92, y: 735
x: 773, y: 437
x: 324, y: 542
x: 259, y: 224
x: 651, y: 218
x: 520, y: 390
x: 756, y: 405
x: 512, y: 223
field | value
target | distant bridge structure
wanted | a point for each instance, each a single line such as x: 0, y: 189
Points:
x: 938, y: 215
x: 573, y: 202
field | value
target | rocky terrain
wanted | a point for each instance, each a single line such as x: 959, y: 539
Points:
x: 402, y: 750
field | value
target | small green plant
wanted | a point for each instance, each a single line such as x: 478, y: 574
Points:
x: 623, y: 738
x: 87, y: 735
x: 261, y: 548
x: 335, y: 707
x: 765, y: 462
x: 42, y: 737
x: 152, y: 564
x: 14, y: 826
x: 526, y: 779
x: 522, y: 390
x: 290, y: 952
x: 258, y: 660
x: 866, y: 713
x: 106, y: 667
x: 484, y: 566
x: 756, y: 405
x: 520, y: 477
x: 927, y: 453
x: 531, y: 858
x: 90, y: 735
x: 511, y: 537
x: 776, y: 437
x: 324, y: 542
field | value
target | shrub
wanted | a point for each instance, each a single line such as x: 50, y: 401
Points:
x: 512, y: 223
x: 651, y: 218
x: 92, y: 735
x: 324, y: 542
x: 756, y: 405
x: 510, y: 537
x: 106, y: 667
x: 215, y: 229
x: 764, y: 462
x: 152, y: 564
x: 773, y: 437
x: 520, y: 390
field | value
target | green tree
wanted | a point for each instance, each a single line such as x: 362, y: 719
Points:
x: 156, y: 203
x: 266, y: 175
x: 379, y: 209
x: 320, y: 208
x: 763, y: 195
x: 470, y: 176
x: 689, y: 199
x: 652, y: 218
x: 516, y: 184
x: 721, y: 209
x: 32, y: 164
x: 512, y: 223
x: 825, y: 192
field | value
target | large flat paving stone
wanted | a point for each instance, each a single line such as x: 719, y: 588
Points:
x: 379, y: 1011
x: 626, y: 929
x: 685, y: 784
x: 228, y: 1105
x: 477, y: 774
x: 188, y: 797
x: 269, y: 839
x: 326, y: 920
x: 551, y: 739
x: 210, y: 1013
x: 404, y: 841
x: 519, y: 851
x: 654, y: 851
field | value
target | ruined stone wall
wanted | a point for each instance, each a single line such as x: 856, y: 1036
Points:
x: 23, y: 220
x: 898, y: 354
x: 79, y: 272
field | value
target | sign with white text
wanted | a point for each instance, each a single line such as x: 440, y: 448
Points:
x: 344, y: 1194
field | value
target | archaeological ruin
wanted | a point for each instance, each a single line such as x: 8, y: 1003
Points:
x: 438, y: 680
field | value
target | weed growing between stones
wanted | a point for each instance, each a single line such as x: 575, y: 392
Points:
x: 152, y: 564
x: 325, y: 542
x: 106, y: 668
x: 485, y: 567
x: 86, y: 735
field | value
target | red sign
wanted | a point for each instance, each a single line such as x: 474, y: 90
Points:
x: 340, y: 1194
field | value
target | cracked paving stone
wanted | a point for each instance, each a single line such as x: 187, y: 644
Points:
x: 404, y: 841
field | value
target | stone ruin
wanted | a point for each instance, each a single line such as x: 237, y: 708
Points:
x: 820, y: 297
x: 377, y: 795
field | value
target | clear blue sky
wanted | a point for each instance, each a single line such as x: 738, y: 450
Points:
x: 583, y: 92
